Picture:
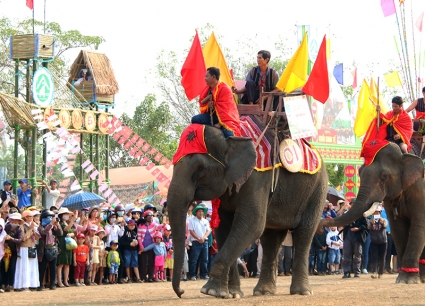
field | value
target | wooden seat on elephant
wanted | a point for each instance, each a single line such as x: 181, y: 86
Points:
x: 265, y: 105
x: 418, y: 142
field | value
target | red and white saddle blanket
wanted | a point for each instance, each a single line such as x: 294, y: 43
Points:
x: 250, y: 127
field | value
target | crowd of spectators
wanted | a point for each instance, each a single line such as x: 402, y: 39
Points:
x: 51, y: 247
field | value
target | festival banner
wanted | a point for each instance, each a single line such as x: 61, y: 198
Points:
x: 299, y: 117
x: 66, y: 142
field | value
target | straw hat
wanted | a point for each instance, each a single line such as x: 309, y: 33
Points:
x: 292, y: 161
x: 64, y: 210
x: 16, y: 216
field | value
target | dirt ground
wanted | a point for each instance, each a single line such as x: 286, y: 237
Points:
x: 327, y: 290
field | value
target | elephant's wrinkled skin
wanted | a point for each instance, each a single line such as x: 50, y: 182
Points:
x: 397, y: 179
x: 246, y: 215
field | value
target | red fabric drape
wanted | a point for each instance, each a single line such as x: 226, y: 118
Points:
x: 191, y: 142
x: 402, y: 124
x: 224, y: 106
x: 215, y: 218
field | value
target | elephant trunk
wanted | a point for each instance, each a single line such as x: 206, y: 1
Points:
x: 359, y: 208
x: 179, y: 198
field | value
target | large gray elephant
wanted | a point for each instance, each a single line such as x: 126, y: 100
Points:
x: 245, y: 214
x: 398, y: 180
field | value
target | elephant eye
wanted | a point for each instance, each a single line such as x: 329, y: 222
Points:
x: 384, y: 176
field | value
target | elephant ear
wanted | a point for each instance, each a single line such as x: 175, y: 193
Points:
x: 412, y: 169
x: 240, y: 159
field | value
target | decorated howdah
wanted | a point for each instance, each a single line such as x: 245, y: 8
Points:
x: 31, y: 46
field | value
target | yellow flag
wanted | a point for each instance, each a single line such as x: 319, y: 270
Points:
x: 373, y: 87
x: 214, y: 58
x: 392, y: 79
x: 328, y: 49
x: 366, y: 111
x: 295, y: 74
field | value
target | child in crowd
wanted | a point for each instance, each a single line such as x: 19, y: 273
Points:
x: 102, y: 254
x: 81, y: 260
x: 93, y: 242
x: 334, y: 243
x: 169, y: 259
x: 160, y: 253
x: 129, y: 247
x: 113, y: 262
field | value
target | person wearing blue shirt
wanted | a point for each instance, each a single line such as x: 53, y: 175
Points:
x: 25, y: 194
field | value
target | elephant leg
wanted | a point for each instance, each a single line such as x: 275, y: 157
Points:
x: 271, y: 240
x: 405, y: 246
x: 234, y: 284
x: 302, y: 238
x: 242, y: 233
x: 413, y: 251
x: 221, y: 234
x: 422, y: 266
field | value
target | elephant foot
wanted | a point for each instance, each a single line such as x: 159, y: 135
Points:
x: 408, y: 278
x: 216, y: 288
x: 265, y: 288
x: 235, y: 292
x: 303, y: 289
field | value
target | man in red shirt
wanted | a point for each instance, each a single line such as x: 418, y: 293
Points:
x: 217, y: 104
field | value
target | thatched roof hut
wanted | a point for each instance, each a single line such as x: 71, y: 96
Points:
x: 104, y: 85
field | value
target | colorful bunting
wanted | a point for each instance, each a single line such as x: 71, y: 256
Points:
x: 419, y: 22
x: 388, y: 7
x: 392, y: 79
x: 339, y: 73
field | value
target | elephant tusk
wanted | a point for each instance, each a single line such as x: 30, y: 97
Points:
x: 371, y: 210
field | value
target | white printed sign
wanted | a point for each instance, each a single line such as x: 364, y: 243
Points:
x: 299, y: 117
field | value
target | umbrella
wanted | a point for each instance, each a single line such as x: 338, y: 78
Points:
x: 82, y: 200
x: 333, y: 195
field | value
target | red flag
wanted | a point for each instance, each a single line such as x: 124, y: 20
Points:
x: 419, y: 22
x: 193, y: 70
x: 30, y: 4
x: 317, y: 84
x: 354, y: 73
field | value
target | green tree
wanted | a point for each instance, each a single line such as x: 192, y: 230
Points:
x: 335, y: 173
x: 64, y: 40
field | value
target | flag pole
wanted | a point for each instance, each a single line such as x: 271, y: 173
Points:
x: 44, y: 16
x: 33, y: 9
x: 379, y: 112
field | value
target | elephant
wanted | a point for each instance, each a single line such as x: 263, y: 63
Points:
x: 248, y: 210
x: 397, y: 179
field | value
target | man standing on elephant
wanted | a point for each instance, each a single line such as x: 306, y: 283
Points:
x: 199, y: 229
x: 218, y: 106
x: 397, y: 124
x: 354, y: 237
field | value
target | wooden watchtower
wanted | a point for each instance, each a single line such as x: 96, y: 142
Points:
x: 92, y: 75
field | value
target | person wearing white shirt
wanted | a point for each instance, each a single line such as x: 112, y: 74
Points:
x: 199, y: 229
x: 113, y: 230
x: 52, y: 193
